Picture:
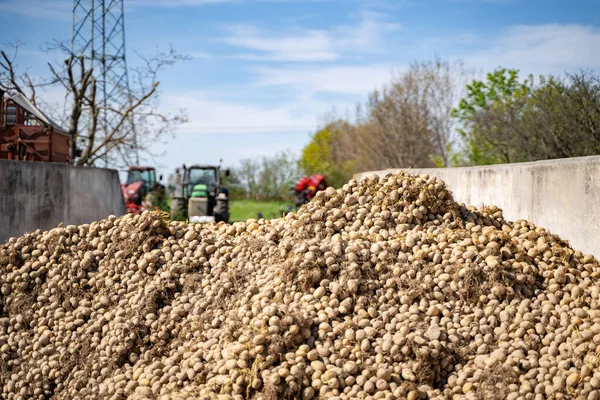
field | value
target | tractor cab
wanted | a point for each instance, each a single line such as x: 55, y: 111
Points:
x: 207, y: 200
x: 145, y: 175
x: 140, y: 181
x: 202, y: 181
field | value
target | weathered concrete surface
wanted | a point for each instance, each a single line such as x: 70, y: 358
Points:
x: 37, y: 195
x: 562, y: 196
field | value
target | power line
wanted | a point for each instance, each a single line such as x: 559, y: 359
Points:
x: 99, y: 36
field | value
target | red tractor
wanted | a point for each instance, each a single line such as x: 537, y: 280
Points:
x: 305, y: 189
x: 141, y: 185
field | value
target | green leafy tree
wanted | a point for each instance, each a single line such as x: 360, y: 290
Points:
x: 563, y: 116
x: 487, y: 116
x: 505, y: 120
x: 325, y: 155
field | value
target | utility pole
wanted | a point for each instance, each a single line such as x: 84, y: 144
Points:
x: 99, y: 36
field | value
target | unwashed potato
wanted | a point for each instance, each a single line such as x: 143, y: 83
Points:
x: 383, y: 289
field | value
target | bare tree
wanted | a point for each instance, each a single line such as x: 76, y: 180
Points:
x: 397, y: 132
x: 135, y: 124
x: 10, y: 80
x: 445, y: 82
x: 82, y: 90
x: 408, y: 123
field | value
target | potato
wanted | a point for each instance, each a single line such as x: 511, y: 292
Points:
x: 385, y: 288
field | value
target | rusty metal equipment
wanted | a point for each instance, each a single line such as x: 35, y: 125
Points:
x: 27, y: 134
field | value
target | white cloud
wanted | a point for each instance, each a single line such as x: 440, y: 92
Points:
x: 540, y: 48
x: 369, y: 35
x: 537, y: 49
x: 286, y: 56
x: 456, y: 39
x: 309, y: 45
x: 54, y: 9
x: 209, y: 115
x: 334, y: 79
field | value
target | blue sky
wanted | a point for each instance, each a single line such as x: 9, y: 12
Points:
x: 264, y: 72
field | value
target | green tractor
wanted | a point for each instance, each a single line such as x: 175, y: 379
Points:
x: 199, y: 195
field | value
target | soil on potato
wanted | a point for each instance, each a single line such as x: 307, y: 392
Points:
x: 384, y: 289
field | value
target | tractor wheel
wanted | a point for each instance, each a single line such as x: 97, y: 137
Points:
x: 222, y: 217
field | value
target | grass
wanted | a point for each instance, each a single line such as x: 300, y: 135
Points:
x: 242, y: 210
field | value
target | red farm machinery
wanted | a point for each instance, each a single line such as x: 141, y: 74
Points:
x: 27, y: 134
x: 141, y: 190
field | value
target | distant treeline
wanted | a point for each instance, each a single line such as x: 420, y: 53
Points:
x: 429, y: 116
x: 267, y: 178
x: 434, y: 115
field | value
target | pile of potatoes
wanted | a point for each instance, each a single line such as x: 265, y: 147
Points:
x: 383, y: 289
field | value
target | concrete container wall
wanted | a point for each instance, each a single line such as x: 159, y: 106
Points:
x: 39, y: 195
x: 562, y: 196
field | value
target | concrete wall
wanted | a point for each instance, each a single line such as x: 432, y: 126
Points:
x: 562, y: 196
x: 37, y: 195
